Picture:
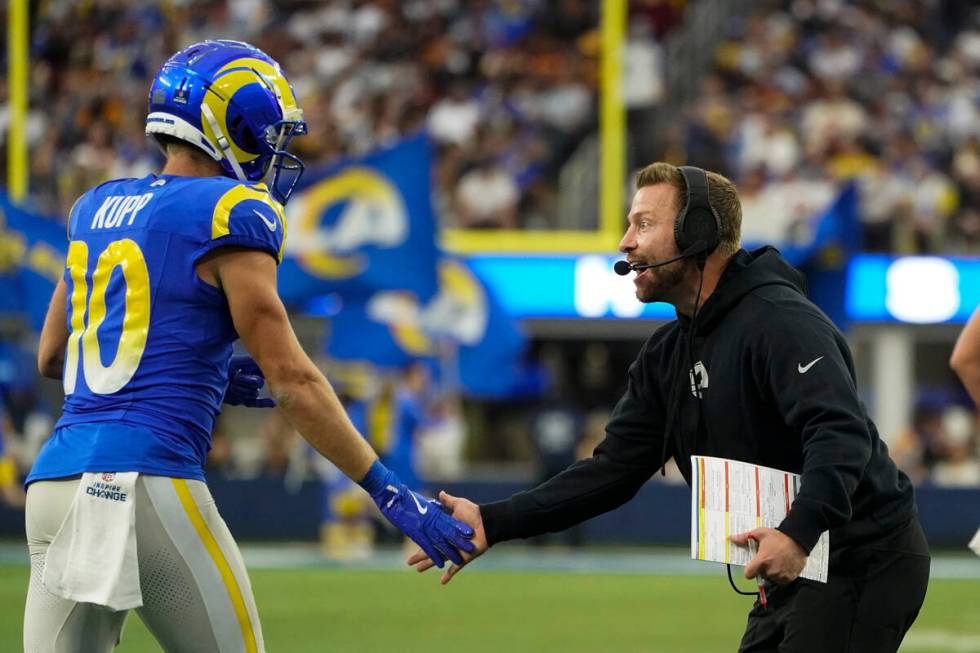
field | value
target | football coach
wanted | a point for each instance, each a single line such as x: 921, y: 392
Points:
x: 751, y: 370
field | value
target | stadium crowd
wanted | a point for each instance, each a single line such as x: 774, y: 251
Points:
x: 507, y: 90
x: 806, y: 94
x: 803, y: 95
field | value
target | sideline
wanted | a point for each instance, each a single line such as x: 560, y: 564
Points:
x: 519, y: 558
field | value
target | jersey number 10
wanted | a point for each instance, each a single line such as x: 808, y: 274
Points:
x: 101, y: 379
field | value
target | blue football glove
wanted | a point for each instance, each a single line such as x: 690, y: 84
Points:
x: 440, y: 536
x: 245, y: 380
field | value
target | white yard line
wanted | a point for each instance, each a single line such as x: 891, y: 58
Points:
x: 940, y: 640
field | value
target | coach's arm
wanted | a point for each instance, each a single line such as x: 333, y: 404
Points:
x: 303, y: 394
x: 54, y: 335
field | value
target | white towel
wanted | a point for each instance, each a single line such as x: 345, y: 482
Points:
x: 92, y: 558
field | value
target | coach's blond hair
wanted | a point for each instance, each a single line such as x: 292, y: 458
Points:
x: 722, y: 195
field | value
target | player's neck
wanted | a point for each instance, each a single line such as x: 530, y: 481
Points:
x: 180, y: 164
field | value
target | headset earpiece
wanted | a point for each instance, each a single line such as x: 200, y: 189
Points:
x: 698, y: 220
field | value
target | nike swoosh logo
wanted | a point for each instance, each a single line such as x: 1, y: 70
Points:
x: 422, y: 509
x: 803, y: 369
x: 270, y: 224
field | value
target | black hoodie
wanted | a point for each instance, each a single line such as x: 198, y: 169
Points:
x: 778, y: 389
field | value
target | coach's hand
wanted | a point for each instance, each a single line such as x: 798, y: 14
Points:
x: 779, y: 558
x: 245, y: 380
x: 469, y: 513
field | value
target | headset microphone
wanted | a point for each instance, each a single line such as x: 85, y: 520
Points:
x: 622, y: 268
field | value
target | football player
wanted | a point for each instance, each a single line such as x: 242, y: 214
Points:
x: 163, y: 275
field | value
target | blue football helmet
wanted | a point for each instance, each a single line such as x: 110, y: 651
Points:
x: 232, y: 101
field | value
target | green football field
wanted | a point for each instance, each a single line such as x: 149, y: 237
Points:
x: 365, y: 610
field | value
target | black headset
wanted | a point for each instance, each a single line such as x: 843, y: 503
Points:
x: 698, y: 220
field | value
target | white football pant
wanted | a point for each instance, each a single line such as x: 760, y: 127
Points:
x: 196, y: 593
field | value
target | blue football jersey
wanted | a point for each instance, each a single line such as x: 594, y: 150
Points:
x: 147, y: 358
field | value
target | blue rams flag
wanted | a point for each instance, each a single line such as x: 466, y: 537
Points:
x: 392, y: 328
x: 32, y: 259
x: 363, y: 225
x: 837, y: 233
x: 382, y: 331
x: 840, y: 223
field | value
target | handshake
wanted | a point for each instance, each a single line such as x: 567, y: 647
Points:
x: 440, y: 536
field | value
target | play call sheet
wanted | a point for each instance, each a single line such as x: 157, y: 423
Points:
x: 731, y: 497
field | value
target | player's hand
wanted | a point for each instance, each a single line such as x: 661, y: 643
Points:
x: 440, y: 536
x: 469, y: 513
x: 779, y: 558
x: 245, y: 380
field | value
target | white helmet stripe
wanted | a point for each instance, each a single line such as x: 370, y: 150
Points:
x: 223, y: 142
x: 168, y: 124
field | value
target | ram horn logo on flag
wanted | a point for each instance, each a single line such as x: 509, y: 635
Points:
x: 392, y: 328
x: 363, y: 225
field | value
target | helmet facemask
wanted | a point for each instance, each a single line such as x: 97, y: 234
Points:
x: 284, y: 169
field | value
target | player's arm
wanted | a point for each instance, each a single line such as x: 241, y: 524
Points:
x: 965, y: 360
x: 303, y: 394
x: 54, y: 335
x: 248, y: 279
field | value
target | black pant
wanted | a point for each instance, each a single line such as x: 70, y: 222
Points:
x: 872, y: 595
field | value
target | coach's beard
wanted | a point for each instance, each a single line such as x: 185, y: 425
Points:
x: 660, y: 284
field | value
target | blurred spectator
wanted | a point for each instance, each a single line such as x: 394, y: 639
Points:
x: 441, y: 440
x: 780, y: 211
x: 454, y: 118
x: 832, y: 116
x: 960, y: 467
x: 644, y: 84
x: 345, y: 509
x: 643, y: 68
x: 220, y: 461
x: 924, y: 444
x: 487, y: 198
x: 281, y: 443
x: 411, y: 412
x: 557, y: 428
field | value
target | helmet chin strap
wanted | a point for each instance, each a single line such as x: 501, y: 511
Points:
x: 270, y: 172
x: 223, y: 142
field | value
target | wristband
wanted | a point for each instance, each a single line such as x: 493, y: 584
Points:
x: 376, y: 478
